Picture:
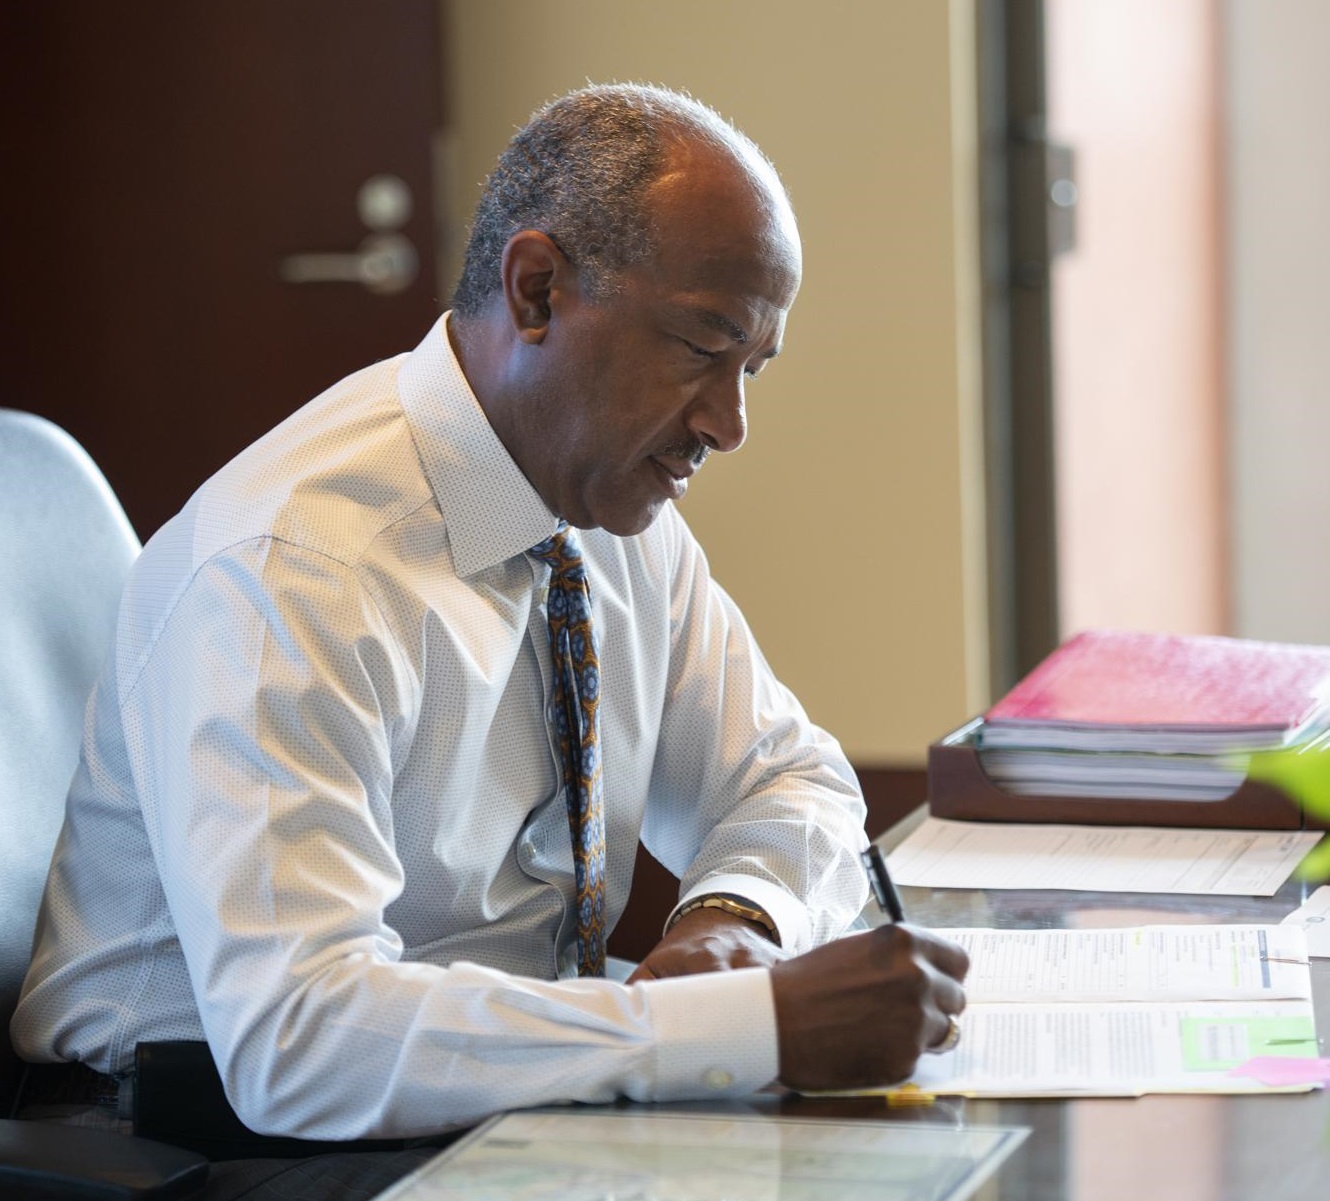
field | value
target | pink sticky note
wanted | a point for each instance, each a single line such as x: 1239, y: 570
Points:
x: 1281, y: 1070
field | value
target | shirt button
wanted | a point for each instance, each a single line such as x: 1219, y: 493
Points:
x: 717, y: 1079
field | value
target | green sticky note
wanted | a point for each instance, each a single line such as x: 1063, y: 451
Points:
x: 1217, y: 1044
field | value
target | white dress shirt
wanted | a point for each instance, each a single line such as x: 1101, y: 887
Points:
x: 317, y: 818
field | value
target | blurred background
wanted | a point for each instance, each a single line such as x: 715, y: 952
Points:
x: 1057, y: 362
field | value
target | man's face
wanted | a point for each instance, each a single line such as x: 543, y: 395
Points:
x: 637, y: 388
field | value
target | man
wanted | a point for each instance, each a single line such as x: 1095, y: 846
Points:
x: 362, y: 705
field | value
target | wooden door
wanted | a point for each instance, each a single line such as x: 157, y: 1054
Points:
x: 162, y: 160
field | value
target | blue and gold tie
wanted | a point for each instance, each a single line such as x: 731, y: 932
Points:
x: 577, y: 723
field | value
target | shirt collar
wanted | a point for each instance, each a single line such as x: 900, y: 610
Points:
x: 489, y: 507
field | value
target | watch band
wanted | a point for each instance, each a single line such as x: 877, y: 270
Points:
x: 730, y: 904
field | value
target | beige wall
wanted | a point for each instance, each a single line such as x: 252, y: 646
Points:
x: 848, y: 527
x: 1278, y: 242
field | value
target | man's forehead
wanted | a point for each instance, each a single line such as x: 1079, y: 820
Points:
x: 695, y: 166
x: 713, y: 213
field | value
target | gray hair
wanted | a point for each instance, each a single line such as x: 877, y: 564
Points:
x: 578, y: 172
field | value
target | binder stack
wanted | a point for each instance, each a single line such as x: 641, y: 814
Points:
x: 1128, y: 727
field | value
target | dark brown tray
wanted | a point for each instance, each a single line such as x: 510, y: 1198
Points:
x: 959, y: 788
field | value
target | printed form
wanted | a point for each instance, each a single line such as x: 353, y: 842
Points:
x: 951, y: 854
x: 1125, y: 1012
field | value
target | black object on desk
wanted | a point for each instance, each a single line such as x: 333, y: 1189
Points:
x: 884, y: 890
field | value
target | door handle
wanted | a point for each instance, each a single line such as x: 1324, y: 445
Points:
x: 385, y: 263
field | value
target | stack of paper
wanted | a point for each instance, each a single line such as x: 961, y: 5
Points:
x: 1153, y: 859
x: 1125, y: 1012
x: 1114, y: 713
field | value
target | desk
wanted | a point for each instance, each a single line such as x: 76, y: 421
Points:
x: 1158, y: 1148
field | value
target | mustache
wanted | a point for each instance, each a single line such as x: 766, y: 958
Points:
x: 693, y: 450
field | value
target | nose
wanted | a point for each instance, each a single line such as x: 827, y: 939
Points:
x: 717, y: 417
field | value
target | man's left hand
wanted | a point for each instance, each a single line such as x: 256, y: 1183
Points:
x: 708, y: 940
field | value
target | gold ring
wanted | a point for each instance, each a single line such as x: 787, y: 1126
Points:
x: 951, y: 1038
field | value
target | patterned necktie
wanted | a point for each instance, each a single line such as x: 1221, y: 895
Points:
x: 577, y: 724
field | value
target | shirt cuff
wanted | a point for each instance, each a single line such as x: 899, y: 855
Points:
x: 714, y: 1033
x: 790, y: 916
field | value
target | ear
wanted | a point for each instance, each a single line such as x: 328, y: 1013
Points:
x: 534, y: 272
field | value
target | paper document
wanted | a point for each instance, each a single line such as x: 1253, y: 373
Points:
x: 1314, y: 918
x: 952, y: 854
x: 592, y: 1155
x: 1144, y: 963
x: 1125, y: 1012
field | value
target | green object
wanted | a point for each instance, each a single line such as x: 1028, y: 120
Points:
x: 1218, y: 1044
x: 1305, y: 776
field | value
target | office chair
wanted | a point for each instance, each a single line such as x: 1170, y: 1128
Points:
x: 65, y: 551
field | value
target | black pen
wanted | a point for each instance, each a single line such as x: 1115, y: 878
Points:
x: 888, y: 898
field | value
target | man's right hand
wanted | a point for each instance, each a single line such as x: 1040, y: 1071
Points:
x: 858, y: 1012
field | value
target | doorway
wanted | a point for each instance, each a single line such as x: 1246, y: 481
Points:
x: 1105, y: 311
x: 170, y: 166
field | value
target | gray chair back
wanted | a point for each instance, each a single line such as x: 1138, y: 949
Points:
x: 65, y: 551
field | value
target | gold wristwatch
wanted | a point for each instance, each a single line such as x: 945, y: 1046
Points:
x: 731, y: 904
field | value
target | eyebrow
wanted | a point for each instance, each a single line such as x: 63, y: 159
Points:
x: 725, y: 325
